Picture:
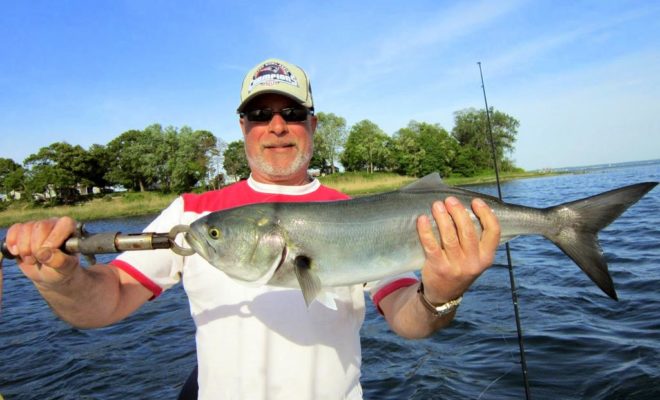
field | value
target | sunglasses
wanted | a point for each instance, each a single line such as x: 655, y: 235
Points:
x: 289, y: 114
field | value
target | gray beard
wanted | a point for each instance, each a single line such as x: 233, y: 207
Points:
x: 301, y: 161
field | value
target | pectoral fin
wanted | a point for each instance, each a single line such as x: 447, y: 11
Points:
x: 310, y: 284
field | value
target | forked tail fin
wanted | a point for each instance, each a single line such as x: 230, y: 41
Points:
x: 578, y: 224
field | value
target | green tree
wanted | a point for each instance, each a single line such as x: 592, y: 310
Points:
x: 422, y: 148
x: 99, y: 161
x: 61, y: 155
x: 49, y: 180
x: 407, y: 152
x: 329, y: 139
x: 441, y: 149
x: 139, y: 158
x: 471, y: 132
x: 59, y: 167
x: 366, y: 148
x: 169, y: 159
x: 319, y: 160
x: 235, y: 160
x: 11, y: 175
x: 215, y: 173
x: 191, y: 158
x: 464, y: 163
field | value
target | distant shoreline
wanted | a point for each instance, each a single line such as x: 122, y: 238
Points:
x: 139, y: 204
x: 595, y: 167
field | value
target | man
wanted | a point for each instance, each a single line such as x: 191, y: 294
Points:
x: 263, y: 342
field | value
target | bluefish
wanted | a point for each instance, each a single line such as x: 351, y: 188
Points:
x: 319, y: 245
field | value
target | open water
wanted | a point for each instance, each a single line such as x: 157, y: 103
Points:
x: 579, y: 343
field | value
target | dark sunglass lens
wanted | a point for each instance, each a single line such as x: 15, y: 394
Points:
x: 288, y: 114
x: 259, y: 115
x: 294, y: 114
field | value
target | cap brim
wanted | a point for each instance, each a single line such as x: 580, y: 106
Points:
x: 256, y: 94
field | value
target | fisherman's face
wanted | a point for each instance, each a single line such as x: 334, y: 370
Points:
x: 278, y: 152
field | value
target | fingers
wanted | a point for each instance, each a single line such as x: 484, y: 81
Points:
x: 49, y: 253
x: 461, y: 255
x: 464, y: 227
x: 56, y: 258
x: 460, y: 239
x: 490, y: 237
x: 449, y: 261
x: 27, y: 241
x: 23, y: 240
x: 426, y: 238
x: 61, y: 231
x: 39, y: 233
x: 457, y: 233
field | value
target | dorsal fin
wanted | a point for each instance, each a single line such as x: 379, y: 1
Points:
x: 429, y: 182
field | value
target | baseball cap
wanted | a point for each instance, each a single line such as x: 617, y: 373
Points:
x: 279, y: 77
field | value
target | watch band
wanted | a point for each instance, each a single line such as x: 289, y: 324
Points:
x: 442, y: 309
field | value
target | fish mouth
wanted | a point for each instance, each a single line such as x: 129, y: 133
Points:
x: 196, y: 244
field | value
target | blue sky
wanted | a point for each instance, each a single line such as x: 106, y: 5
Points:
x: 582, y: 77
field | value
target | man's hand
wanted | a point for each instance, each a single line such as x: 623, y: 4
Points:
x: 457, y: 260
x: 36, y: 244
x: 85, y: 297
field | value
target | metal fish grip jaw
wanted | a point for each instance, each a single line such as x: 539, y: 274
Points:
x: 107, y: 243
x: 89, y: 245
x: 176, y: 230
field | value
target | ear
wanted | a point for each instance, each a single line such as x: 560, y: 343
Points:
x: 313, y: 120
x: 242, y: 122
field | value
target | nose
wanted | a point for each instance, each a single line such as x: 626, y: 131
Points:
x: 278, y: 125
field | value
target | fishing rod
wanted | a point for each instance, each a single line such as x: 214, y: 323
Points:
x: 514, y: 293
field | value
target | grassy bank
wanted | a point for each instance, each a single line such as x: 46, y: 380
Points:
x: 116, y: 206
x: 132, y: 204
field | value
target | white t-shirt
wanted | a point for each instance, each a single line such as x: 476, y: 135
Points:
x: 259, y: 343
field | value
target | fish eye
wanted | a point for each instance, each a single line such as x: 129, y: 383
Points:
x: 215, y: 233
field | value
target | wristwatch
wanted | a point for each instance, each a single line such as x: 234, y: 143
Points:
x: 442, y: 309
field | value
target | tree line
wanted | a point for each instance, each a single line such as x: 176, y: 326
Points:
x: 156, y: 158
x: 179, y: 160
x: 416, y: 150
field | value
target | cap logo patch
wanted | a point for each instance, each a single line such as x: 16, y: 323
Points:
x: 270, y: 74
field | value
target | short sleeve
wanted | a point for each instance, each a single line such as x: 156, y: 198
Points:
x: 378, y: 290
x: 157, y: 270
